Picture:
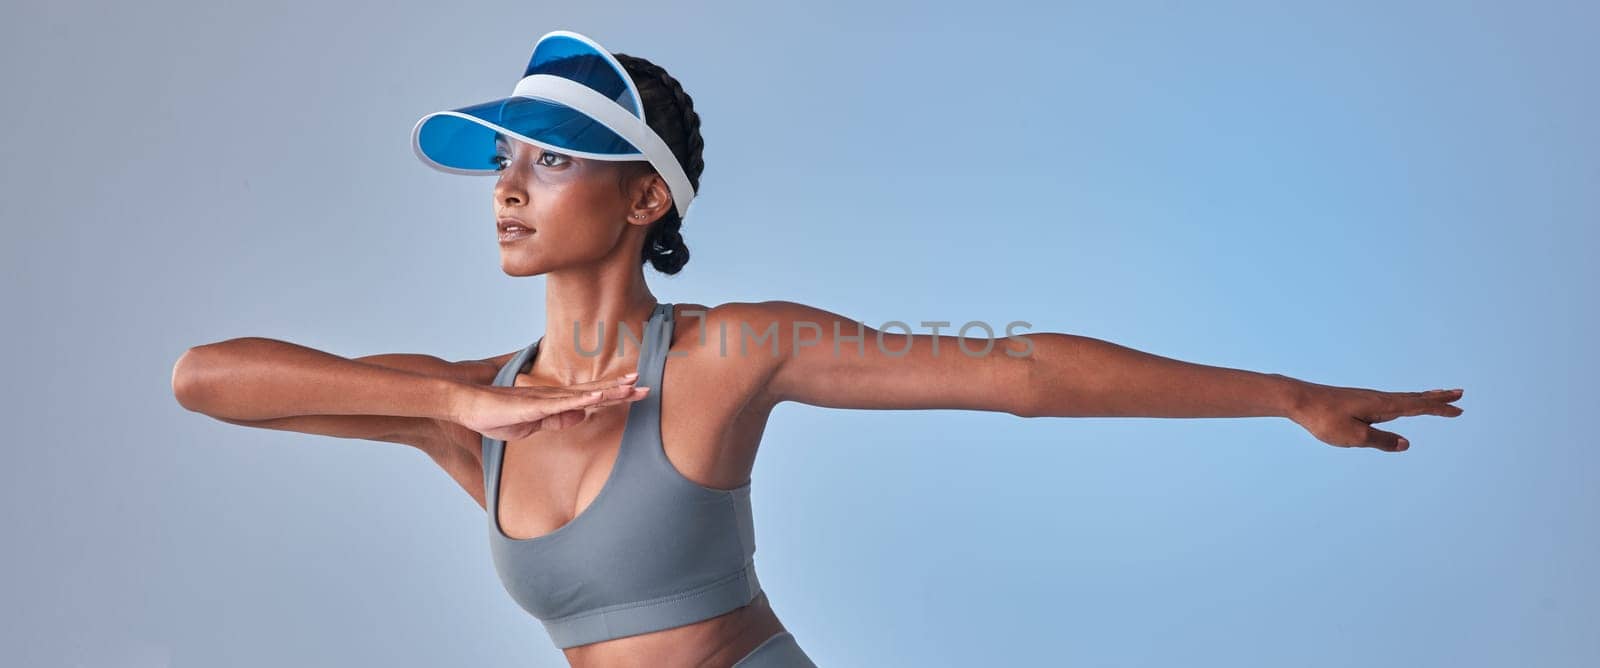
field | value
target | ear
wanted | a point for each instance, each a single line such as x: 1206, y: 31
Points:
x: 649, y: 198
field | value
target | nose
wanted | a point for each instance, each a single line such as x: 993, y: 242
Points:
x: 508, y: 191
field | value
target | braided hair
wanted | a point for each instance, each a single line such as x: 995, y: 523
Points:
x: 670, y: 112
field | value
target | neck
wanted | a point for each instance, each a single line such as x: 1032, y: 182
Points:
x: 582, y: 311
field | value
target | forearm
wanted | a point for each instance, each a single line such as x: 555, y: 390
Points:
x: 1077, y: 376
x: 261, y: 379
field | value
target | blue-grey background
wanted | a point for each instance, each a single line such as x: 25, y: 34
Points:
x: 1378, y: 194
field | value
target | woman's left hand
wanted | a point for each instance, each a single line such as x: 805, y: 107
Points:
x: 1343, y: 416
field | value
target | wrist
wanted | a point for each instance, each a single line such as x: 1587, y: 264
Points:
x: 451, y: 398
x: 1290, y: 395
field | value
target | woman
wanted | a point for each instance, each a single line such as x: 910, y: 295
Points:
x: 616, y: 485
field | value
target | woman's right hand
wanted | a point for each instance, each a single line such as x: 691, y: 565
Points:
x: 510, y: 413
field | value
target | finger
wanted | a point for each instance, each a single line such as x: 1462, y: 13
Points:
x: 1443, y: 395
x: 1434, y: 405
x: 1397, y: 404
x: 631, y: 395
x: 623, y: 395
x: 542, y: 408
x: 591, y: 403
x: 558, y: 391
x: 1427, y: 394
x: 1384, y: 440
x: 562, y: 420
x: 620, y: 393
x: 1411, y: 407
x: 518, y: 432
x: 616, y: 395
x: 602, y: 383
x: 553, y: 391
x: 1445, y: 410
x: 580, y: 390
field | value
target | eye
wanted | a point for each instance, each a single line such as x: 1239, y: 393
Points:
x: 500, y: 160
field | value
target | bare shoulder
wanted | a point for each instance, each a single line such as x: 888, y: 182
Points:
x: 774, y: 325
x: 715, y: 331
x: 747, y: 316
x: 739, y: 346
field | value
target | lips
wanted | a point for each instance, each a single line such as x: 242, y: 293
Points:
x: 512, y: 225
x: 512, y: 230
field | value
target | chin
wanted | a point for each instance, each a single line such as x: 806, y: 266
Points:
x: 520, y: 271
x: 515, y: 264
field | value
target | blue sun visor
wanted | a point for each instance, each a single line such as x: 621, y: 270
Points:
x: 574, y: 98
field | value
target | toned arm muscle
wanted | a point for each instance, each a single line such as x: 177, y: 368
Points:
x: 394, y: 397
x: 822, y: 358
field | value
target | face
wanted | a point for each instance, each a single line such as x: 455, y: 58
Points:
x: 577, y: 211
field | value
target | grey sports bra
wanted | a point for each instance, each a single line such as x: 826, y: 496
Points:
x: 653, y: 550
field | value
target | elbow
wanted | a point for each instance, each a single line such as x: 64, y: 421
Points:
x: 186, y: 385
x: 1026, y: 400
x: 194, y: 374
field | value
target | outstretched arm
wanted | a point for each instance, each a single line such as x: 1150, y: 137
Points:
x: 1045, y: 374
